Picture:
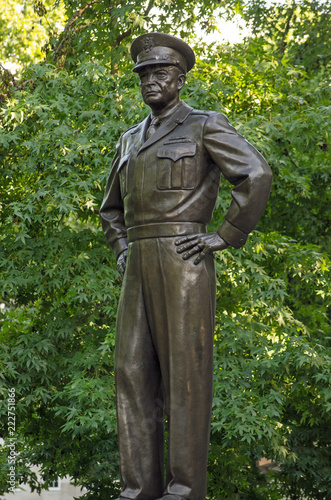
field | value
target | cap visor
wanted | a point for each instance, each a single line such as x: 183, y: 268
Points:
x: 152, y: 62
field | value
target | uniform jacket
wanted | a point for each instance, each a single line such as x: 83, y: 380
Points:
x: 174, y: 176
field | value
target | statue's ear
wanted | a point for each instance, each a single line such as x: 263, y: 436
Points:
x: 181, y: 81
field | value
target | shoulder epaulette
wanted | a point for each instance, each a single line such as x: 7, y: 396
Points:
x: 202, y: 112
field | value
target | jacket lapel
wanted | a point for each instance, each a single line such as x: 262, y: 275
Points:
x: 138, y: 134
x: 178, y: 117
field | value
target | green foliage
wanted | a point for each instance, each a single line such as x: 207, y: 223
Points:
x: 58, y: 333
x: 60, y: 286
x: 26, y: 28
x: 271, y: 381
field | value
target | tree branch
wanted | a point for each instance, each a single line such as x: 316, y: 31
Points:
x: 71, y: 21
x: 128, y: 32
x: 283, y: 43
x: 290, y: 158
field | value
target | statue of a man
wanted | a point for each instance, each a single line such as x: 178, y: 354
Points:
x: 159, y: 199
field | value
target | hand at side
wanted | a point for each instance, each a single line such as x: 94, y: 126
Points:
x: 121, y: 262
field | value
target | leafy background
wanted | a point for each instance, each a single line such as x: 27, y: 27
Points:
x: 62, y: 112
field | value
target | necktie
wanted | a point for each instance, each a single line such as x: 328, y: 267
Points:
x: 155, y: 123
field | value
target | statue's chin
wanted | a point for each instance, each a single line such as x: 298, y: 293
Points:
x: 153, y: 99
x: 153, y: 102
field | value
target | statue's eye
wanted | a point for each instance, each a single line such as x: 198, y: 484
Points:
x: 161, y: 75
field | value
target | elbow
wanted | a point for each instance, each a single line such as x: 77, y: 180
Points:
x: 263, y: 175
x: 268, y: 176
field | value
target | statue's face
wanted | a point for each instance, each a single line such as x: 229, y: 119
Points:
x: 160, y: 84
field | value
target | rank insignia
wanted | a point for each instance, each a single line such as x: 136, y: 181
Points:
x: 148, y: 44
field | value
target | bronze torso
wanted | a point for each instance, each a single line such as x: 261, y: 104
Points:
x: 174, y: 176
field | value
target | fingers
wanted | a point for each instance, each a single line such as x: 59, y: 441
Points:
x: 192, y: 251
x: 185, y: 242
x: 201, y: 244
x: 121, y: 263
x: 199, y: 258
x: 121, y: 268
x: 191, y: 245
x: 187, y: 246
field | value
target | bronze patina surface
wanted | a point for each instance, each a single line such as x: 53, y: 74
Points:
x: 159, y: 199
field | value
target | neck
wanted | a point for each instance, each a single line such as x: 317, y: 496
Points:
x: 164, y: 110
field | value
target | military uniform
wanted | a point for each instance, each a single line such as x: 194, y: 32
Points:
x: 158, y: 190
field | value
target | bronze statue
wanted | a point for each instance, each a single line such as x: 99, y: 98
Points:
x: 160, y: 196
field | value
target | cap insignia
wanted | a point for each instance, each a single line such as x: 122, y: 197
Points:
x: 148, y: 44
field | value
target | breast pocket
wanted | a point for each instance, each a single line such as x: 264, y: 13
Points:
x: 124, y: 174
x: 176, y: 166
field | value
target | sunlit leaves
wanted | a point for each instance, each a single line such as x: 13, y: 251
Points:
x: 26, y: 28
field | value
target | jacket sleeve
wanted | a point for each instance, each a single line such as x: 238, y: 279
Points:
x: 246, y: 169
x: 112, y: 209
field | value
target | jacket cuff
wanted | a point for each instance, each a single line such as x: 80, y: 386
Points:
x: 232, y: 235
x: 119, y: 246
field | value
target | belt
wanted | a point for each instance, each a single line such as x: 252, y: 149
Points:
x: 164, y: 229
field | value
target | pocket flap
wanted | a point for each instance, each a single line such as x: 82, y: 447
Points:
x: 123, y: 160
x: 175, y: 152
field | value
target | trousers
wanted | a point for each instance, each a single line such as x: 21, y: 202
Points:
x: 164, y: 370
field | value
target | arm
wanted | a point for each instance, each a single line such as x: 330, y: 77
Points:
x: 246, y: 169
x: 112, y: 210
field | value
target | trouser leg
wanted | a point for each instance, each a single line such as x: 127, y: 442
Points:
x: 138, y: 383
x: 180, y: 303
